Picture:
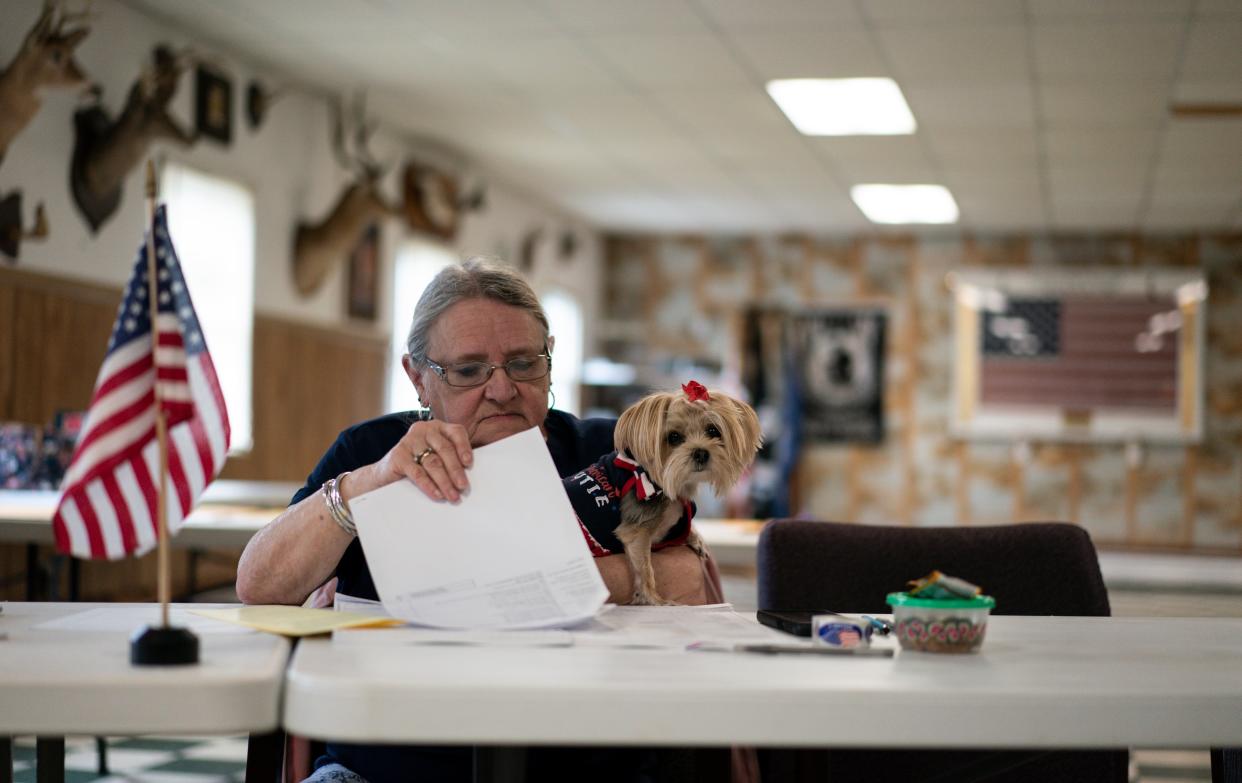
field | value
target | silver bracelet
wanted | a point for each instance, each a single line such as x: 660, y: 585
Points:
x: 336, y: 504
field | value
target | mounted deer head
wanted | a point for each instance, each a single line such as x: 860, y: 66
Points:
x: 318, y: 247
x: 433, y: 203
x: 45, y: 60
x: 105, y: 151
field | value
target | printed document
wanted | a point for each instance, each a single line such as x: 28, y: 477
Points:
x: 509, y: 555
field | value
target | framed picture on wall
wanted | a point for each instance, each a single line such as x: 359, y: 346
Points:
x: 213, y: 105
x: 362, y: 292
x: 1067, y: 355
x: 838, y: 366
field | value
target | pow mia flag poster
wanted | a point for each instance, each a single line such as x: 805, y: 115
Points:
x: 838, y: 361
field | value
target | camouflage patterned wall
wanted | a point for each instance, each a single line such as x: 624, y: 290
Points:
x: 678, y: 302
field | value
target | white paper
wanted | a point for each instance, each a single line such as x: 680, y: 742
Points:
x: 352, y: 603
x: 131, y: 618
x: 509, y: 555
x: 409, y: 634
x: 673, y: 627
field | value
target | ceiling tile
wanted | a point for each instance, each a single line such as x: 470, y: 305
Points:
x: 1213, y: 50
x: 790, y: 15
x: 1190, y: 214
x: 1043, y: 10
x: 1197, y: 175
x: 1093, y: 214
x: 1096, y: 183
x: 726, y: 122
x: 1208, y: 90
x: 631, y: 16
x: 896, y: 159
x: 1113, y: 147
x: 543, y: 65
x: 969, y: 53
x: 670, y: 60
x: 1179, y: 192
x: 942, y: 106
x: 1218, y: 140
x: 1107, y: 48
x: 1218, y: 8
x: 898, y: 12
x: 833, y: 54
x: 1094, y: 102
x: 954, y: 147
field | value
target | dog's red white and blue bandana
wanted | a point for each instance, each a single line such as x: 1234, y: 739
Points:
x: 596, y: 491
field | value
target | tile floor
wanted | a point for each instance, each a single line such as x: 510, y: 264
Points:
x: 143, y: 760
x: 223, y: 759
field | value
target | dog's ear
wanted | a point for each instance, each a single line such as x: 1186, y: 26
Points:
x: 746, y: 437
x: 640, y: 430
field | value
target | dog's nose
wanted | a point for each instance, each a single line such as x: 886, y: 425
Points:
x: 701, y: 456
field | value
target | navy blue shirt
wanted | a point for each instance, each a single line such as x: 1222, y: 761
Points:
x: 573, y: 443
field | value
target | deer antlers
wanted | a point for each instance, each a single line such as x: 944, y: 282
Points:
x: 105, y: 151
x: 319, y: 246
x: 44, y: 60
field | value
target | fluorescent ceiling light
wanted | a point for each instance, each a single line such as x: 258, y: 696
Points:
x: 905, y: 203
x: 844, y: 107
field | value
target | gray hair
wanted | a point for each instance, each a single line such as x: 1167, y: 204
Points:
x: 480, y: 277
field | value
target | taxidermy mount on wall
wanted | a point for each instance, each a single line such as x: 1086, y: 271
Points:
x: 45, y: 60
x: 318, y: 247
x: 432, y: 203
x: 104, y: 152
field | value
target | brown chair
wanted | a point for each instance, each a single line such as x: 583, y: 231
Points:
x: 1031, y: 569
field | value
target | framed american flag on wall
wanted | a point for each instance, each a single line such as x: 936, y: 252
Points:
x: 1079, y: 356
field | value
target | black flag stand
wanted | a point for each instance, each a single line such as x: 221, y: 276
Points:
x: 162, y: 645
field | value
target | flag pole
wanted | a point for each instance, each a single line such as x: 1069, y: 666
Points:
x: 161, y: 431
x: 165, y: 644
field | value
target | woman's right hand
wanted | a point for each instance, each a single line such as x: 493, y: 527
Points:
x: 441, y: 472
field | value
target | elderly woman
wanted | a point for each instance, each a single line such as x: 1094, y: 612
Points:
x: 479, y: 356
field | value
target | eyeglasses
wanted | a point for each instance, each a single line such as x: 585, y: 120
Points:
x: 519, y: 368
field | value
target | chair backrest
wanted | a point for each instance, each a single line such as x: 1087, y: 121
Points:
x: 1034, y: 568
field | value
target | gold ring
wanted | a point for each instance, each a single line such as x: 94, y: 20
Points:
x: 418, y: 460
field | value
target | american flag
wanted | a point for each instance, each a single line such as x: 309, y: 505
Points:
x: 108, y: 503
x: 1081, y: 352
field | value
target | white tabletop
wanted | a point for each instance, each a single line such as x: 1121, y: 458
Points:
x: 25, y: 517
x: 1038, y: 682
x: 57, y: 682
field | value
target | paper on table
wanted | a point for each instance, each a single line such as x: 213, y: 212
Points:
x: 509, y: 555
x: 294, y: 620
x: 352, y: 603
x: 417, y: 635
x: 130, y: 618
x: 672, y: 627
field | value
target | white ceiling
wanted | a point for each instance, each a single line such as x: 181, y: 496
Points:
x: 651, y: 114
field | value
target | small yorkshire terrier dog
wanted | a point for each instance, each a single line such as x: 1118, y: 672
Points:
x: 639, y: 497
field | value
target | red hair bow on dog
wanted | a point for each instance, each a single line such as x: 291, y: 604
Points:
x: 695, y: 391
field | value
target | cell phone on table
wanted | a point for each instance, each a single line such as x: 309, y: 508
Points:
x: 796, y: 623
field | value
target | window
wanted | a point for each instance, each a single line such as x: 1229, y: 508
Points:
x: 565, y: 322
x: 212, y: 224
x: 417, y: 262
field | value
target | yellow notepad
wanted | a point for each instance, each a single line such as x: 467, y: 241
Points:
x: 297, y: 620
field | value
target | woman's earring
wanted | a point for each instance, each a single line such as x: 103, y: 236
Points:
x: 553, y: 403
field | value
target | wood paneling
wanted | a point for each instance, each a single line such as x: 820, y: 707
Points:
x: 309, y: 383
x: 53, y: 336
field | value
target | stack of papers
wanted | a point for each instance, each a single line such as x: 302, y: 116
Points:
x: 509, y: 555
